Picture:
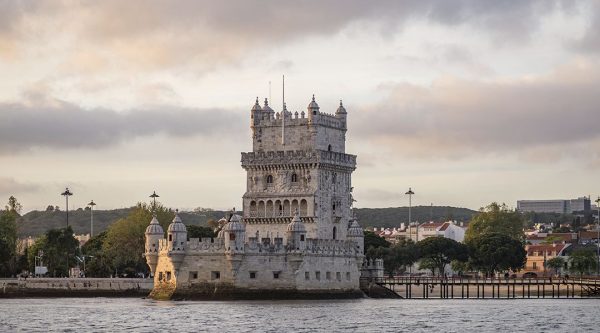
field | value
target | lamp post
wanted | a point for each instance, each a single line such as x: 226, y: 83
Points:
x: 598, y: 236
x: 91, y: 204
x: 67, y: 194
x: 410, y: 193
x: 154, y: 196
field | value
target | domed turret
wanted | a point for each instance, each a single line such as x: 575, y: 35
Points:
x: 154, y: 233
x: 177, y: 240
x: 256, y: 113
x: 341, y: 109
x: 313, y: 109
x: 267, y: 109
x: 296, y: 233
x: 234, y: 233
x: 356, y: 234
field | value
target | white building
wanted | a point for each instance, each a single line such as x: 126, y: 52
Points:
x: 297, y: 236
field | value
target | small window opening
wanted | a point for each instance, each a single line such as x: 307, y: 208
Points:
x: 329, y: 148
x: 253, y: 275
x: 294, y: 178
x: 302, y: 238
x: 269, y: 179
x: 232, y: 236
x: 170, y: 238
x: 306, y: 275
x: 276, y: 275
x: 215, y: 275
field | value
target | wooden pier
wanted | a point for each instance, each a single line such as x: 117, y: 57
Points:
x: 492, y: 288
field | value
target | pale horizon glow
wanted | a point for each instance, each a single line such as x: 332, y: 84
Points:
x: 468, y: 103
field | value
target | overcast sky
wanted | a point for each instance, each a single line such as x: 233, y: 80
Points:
x: 465, y: 101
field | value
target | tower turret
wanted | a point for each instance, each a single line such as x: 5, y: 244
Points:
x: 313, y: 109
x: 154, y: 233
x: 234, y: 233
x: 341, y: 113
x: 267, y: 109
x: 356, y: 234
x: 256, y: 113
x: 296, y: 233
x: 176, y: 240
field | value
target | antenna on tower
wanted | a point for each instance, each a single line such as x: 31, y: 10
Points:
x: 283, y: 114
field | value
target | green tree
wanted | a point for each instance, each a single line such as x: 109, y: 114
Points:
x: 583, y: 261
x: 8, y: 242
x: 556, y: 263
x: 14, y: 205
x: 496, y: 218
x: 124, y: 242
x: 440, y: 251
x: 491, y: 252
x: 98, y: 264
x: 374, y: 240
x: 57, y: 247
x: 196, y: 231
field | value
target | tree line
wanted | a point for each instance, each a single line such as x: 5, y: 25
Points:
x: 494, y: 242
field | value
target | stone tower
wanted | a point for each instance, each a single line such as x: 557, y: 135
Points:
x: 298, y: 162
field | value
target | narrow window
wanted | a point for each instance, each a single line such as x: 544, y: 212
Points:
x: 334, y: 232
x: 276, y: 275
x: 294, y: 178
x: 302, y: 238
x: 328, y: 275
x: 347, y: 276
x: 269, y: 179
x: 306, y: 275
x: 232, y: 236
x: 329, y: 148
x: 535, y: 265
x: 168, y: 276
x: 170, y: 238
x: 253, y: 275
x: 160, y: 276
x: 215, y: 275
x: 318, y: 275
x: 338, y: 276
x: 193, y: 275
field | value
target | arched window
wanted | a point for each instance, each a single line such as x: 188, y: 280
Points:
x: 269, y: 179
x: 334, y: 232
x: 294, y: 178
x: 329, y: 148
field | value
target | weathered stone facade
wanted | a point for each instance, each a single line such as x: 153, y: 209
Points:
x: 297, y: 236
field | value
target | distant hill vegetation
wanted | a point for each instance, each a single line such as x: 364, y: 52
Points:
x: 392, y: 217
x: 36, y: 223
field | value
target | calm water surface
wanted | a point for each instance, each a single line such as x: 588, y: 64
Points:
x: 365, y: 315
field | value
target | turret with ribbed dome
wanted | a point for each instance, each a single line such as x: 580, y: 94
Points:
x: 154, y: 233
x: 256, y: 113
x: 176, y: 240
x: 234, y: 233
x: 356, y: 233
x: 312, y: 109
x: 296, y: 233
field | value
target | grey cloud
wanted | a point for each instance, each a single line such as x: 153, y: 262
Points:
x: 64, y: 125
x: 458, y: 117
x: 10, y: 186
x: 156, y: 33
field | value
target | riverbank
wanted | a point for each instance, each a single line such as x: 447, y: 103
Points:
x: 75, y: 287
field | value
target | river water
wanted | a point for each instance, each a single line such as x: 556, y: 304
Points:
x: 364, y: 315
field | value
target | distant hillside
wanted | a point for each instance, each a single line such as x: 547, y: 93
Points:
x: 392, y: 217
x: 36, y: 223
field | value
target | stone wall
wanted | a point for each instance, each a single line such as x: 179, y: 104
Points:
x: 73, y: 287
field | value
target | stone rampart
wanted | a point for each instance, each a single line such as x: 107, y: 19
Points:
x: 75, y: 287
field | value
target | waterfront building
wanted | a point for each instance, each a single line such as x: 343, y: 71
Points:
x: 296, y: 237
x: 539, y: 254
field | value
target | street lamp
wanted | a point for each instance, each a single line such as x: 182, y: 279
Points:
x: 91, y: 204
x: 598, y: 236
x: 67, y: 194
x: 410, y: 193
x: 154, y: 196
